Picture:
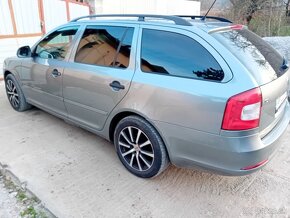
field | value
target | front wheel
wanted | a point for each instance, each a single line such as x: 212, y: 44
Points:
x: 140, y: 147
x: 15, y: 94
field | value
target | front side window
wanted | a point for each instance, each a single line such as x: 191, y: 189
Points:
x: 174, y: 54
x: 56, y: 45
x: 105, y: 46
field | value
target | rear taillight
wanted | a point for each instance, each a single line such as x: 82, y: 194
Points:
x: 243, y: 111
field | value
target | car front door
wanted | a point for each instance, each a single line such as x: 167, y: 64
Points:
x: 42, y: 73
x: 100, y: 73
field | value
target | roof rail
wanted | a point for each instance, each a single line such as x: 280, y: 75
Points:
x: 193, y: 17
x: 141, y: 17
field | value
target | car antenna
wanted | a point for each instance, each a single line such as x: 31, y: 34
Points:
x: 204, y: 17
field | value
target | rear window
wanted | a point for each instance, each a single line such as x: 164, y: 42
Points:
x: 261, y: 59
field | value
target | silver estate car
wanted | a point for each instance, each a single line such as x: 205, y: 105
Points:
x: 193, y: 92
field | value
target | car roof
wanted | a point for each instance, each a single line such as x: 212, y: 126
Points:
x: 205, y: 24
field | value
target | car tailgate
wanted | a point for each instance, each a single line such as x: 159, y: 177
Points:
x: 275, y: 98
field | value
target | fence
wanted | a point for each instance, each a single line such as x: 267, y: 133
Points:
x: 28, y: 18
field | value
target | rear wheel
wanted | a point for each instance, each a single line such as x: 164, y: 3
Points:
x: 15, y: 94
x: 140, y: 147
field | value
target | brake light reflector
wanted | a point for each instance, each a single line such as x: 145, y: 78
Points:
x: 243, y: 111
x: 255, y: 165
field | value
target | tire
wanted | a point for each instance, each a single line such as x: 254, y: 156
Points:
x: 15, y: 94
x: 140, y: 147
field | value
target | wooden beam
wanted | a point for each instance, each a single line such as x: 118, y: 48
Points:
x: 20, y: 35
x: 67, y: 10
x: 12, y: 16
x: 41, y: 16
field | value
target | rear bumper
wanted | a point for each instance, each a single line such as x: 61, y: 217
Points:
x: 224, y: 154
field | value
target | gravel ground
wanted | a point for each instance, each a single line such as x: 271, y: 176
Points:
x: 9, y: 206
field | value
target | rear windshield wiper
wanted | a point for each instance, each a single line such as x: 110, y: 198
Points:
x: 285, y: 64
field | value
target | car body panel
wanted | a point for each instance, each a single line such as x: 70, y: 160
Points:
x: 223, y: 154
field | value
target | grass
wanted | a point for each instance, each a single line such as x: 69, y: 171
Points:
x: 28, y: 201
x: 29, y: 212
x: 21, y: 195
x: 284, y: 31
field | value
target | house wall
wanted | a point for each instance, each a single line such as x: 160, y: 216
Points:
x: 18, y: 29
x: 169, y: 7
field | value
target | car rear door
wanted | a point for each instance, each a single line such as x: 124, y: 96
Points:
x: 100, y: 72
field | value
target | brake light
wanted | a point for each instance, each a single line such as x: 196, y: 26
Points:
x: 237, y: 27
x: 243, y: 111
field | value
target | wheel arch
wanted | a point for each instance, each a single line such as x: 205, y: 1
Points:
x: 120, y: 115
x: 6, y: 73
x: 117, y: 118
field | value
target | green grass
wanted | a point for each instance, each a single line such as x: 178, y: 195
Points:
x: 21, y: 196
x: 285, y: 31
x: 28, y: 201
x: 29, y: 212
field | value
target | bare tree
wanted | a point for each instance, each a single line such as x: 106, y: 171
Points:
x: 287, y: 4
x: 265, y: 17
x: 247, y: 8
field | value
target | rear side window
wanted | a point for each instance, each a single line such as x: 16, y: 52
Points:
x: 105, y: 46
x: 178, y: 55
x: 258, y: 56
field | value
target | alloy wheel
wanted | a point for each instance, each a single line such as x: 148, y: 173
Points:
x: 12, y: 93
x: 136, y: 148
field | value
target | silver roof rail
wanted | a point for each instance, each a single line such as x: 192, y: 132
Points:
x: 141, y: 17
x: 193, y: 17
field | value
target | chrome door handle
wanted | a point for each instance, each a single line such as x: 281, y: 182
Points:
x: 55, y: 73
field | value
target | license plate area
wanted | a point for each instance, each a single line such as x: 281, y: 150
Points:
x: 280, y: 104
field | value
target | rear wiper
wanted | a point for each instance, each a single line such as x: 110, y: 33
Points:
x: 285, y: 64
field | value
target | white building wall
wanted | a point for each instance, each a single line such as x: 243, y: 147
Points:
x: 77, y: 10
x: 26, y: 15
x: 168, y: 7
x: 27, y: 19
x: 6, y: 27
x: 54, y: 13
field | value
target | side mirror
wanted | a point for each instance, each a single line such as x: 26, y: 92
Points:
x: 24, y: 52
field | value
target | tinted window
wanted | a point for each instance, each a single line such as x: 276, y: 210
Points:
x: 56, y: 44
x: 105, y: 46
x: 257, y: 55
x: 178, y: 55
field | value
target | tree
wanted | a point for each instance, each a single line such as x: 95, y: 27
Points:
x: 247, y: 8
x: 265, y: 17
x: 287, y: 4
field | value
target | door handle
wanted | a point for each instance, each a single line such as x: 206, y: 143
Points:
x: 116, y: 85
x: 55, y: 73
